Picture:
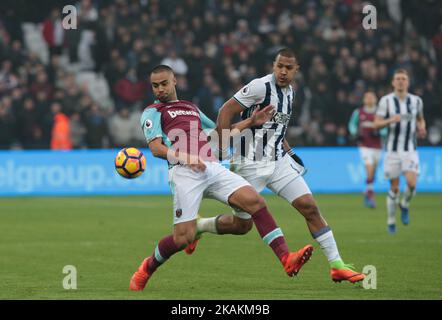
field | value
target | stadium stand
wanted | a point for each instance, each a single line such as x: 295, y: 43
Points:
x: 97, y: 75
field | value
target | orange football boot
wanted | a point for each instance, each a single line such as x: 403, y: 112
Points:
x: 191, y: 247
x: 294, y: 261
x: 346, y: 273
x: 141, y: 276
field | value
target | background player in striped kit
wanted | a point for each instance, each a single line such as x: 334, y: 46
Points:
x: 402, y: 113
x: 268, y: 161
x: 369, y: 142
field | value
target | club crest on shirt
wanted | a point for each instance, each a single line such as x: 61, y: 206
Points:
x: 245, y: 90
x: 148, y: 124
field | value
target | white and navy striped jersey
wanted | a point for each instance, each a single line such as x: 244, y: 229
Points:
x: 401, y: 135
x: 266, y: 143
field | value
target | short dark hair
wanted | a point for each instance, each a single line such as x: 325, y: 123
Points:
x: 400, y: 70
x: 161, y: 68
x: 286, y: 52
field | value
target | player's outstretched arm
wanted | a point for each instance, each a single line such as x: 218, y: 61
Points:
x: 232, y: 108
x: 292, y: 154
x: 354, y: 123
x: 421, y: 126
x: 380, y: 123
x: 258, y: 118
x: 159, y: 150
x: 225, y: 116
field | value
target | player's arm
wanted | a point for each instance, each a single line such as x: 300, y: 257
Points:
x: 421, y: 126
x: 420, y: 120
x: 160, y: 150
x: 354, y: 123
x: 224, y: 121
x: 258, y: 118
x: 291, y: 153
x: 151, y: 126
x: 381, y: 120
x: 232, y: 108
x: 251, y: 94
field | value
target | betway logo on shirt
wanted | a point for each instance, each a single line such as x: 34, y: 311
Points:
x: 176, y: 113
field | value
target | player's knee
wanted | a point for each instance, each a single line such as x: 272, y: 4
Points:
x: 394, y: 189
x: 308, y: 208
x: 411, y: 185
x: 251, y: 202
x: 182, y: 240
x: 312, y: 211
x: 255, y: 203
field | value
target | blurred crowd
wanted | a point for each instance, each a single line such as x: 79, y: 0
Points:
x: 215, y: 47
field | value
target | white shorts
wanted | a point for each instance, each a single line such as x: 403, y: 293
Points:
x: 283, y: 177
x: 396, y: 163
x: 370, y: 156
x: 189, y: 187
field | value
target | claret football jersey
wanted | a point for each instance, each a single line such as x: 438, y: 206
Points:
x: 181, y: 125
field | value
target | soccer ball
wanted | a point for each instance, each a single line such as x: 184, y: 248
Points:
x: 130, y: 163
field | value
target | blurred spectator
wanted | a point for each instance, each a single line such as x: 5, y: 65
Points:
x: 71, y: 100
x: 7, y: 127
x: 216, y: 47
x: 42, y: 84
x: 120, y: 128
x: 37, y: 140
x: 86, y: 11
x: 8, y: 80
x: 78, y: 131
x: 61, y: 131
x: 53, y: 32
x: 129, y: 90
x: 176, y: 63
x: 97, y: 129
x: 27, y: 121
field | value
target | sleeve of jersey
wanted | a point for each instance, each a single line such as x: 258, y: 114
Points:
x: 151, y: 124
x: 251, y: 94
x: 382, y: 108
x: 207, y: 124
x: 353, y: 123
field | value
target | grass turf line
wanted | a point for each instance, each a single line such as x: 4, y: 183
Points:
x: 106, y: 238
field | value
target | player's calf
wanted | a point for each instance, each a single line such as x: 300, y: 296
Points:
x: 163, y: 251
x: 306, y: 205
x: 242, y: 226
x: 249, y: 200
x: 392, y: 202
x: 229, y: 224
x: 224, y: 224
x: 183, y: 235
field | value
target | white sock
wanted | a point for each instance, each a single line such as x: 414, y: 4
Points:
x: 407, y: 197
x: 207, y: 225
x: 328, y: 244
x: 391, y: 207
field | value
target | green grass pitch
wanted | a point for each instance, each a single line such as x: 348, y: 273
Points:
x: 105, y: 238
